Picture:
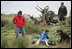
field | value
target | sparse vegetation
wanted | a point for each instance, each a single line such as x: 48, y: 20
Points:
x: 32, y: 34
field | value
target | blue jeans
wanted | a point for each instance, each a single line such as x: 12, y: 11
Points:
x: 18, y: 30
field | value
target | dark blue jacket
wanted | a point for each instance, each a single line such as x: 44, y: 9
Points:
x: 44, y: 36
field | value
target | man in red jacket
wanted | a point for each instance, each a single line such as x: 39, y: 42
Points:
x: 19, y: 21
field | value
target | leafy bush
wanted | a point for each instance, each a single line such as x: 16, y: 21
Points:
x: 69, y: 20
x: 32, y: 28
x: 6, y: 25
x: 21, y: 42
x: 3, y: 43
x: 3, y: 22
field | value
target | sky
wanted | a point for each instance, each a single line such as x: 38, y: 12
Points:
x: 28, y: 7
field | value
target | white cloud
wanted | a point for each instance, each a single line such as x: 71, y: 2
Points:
x: 28, y: 7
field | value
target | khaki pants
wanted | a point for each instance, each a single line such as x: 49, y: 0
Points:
x: 38, y: 41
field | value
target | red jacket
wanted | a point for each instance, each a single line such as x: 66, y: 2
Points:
x: 19, y: 21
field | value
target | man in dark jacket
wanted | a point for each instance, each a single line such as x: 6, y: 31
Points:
x: 62, y: 12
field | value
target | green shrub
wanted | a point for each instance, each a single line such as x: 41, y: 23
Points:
x: 3, y: 43
x: 32, y: 28
x: 69, y: 20
x: 3, y: 22
x: 21, y: 42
